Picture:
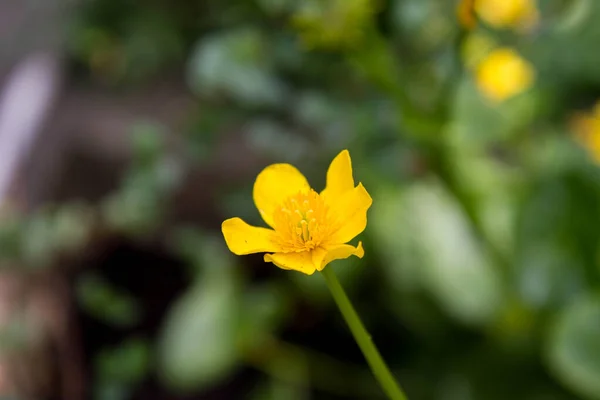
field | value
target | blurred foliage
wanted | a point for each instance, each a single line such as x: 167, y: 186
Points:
x: 198, y: 345
x: 138, y: 207
x: 119, y: 369
x: 482, y: 265
x: 49, y: 232
x: 99, y: 299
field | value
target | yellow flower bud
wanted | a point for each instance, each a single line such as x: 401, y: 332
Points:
x: 586, y: 129
x: 507, y: 13
x: 504, y: 74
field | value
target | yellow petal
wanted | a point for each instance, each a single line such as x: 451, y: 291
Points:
x: 301, y: 262
x: 242, y: 238
x: 504, y: 74
x: 350, y: 214
x: 324, y: 255
x: 339, y: 177
x: 273, y: 185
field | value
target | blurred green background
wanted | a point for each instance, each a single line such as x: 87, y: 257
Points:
x: 471, y: 124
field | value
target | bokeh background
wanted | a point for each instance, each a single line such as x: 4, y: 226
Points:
x: 130, y: 130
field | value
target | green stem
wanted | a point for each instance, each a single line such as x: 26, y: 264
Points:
x: 363, y: 339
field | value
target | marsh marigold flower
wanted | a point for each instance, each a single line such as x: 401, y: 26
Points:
x: 503, y: 74
x: 586, y: 127
x: 309, y: 229
x: 520, y: 14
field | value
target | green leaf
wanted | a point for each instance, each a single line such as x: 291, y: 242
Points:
x: 387, y: 224
x: 37, y: 243
x: 236, y: 64
x: 11, y: 233
x: 111, y: 391
x: 457, y: 269
x: 206, y: 253
x: 127, y: 363
x: 101, y: 300
x: 273, y: 139
x: 148, y: 142
x: 476, y: 121
x: 197, y: 347
x: 264, y: 309
x: 574, y: 348
x: 548, y: 274
x: 276, y: 7
x: 428, y: 242
x: 72, y: 226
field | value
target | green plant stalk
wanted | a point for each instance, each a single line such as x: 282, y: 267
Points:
x: 363, y: 339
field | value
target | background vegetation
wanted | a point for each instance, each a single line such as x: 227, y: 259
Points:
x: 474, y: 130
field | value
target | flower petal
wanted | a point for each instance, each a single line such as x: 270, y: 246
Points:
x: 350, y: 213
x: 242, y: 238
x: 273, y: 185
x: 339, y: 177
x: 324, y: 255
x: 301, y: 262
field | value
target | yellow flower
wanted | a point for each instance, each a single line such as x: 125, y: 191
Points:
x: 503, y: 74
x: 508, y: 13
x: 310, y: 229
x: 587, y: 131
x: 466, y: 14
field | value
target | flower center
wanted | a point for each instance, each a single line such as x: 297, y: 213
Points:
x: 301, y: 222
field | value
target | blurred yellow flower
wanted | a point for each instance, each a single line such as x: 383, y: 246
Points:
x: 508, y: 13
x: 310, y: 229
x: 503, y: 74
x: 466, y: 14
x: 333, y: 24
x: 586, y: 127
